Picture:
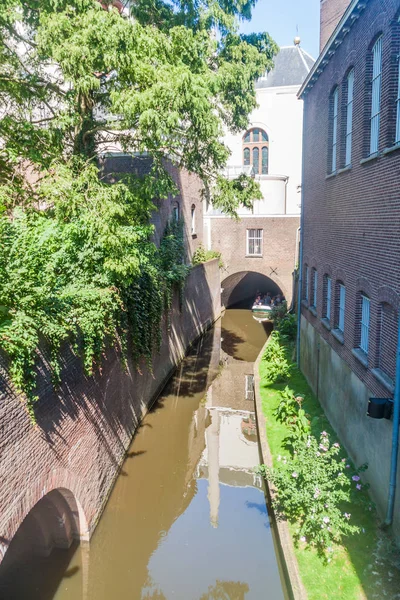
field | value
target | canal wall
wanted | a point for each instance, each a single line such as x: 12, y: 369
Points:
x: 344, y: 398
x: 72, y: 456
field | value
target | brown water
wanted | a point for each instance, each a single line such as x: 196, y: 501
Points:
x: 187, y: 518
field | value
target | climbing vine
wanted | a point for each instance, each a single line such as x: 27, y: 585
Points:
x: 84, y: 271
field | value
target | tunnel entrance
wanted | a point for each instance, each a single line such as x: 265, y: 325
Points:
x: 51, y: 527
x: 240, y: 289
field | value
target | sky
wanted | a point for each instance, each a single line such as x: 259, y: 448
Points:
x: 282, y: 19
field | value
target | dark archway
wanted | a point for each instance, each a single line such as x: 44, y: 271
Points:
x: 51, y: 527
x: 240, y: 289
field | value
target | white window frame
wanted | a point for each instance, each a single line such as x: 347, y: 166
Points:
x: 365, y: 321
x: 249, y: 387
x: 175, y: 212
x: 335, y: 99
x: 193, y: 220
x: 255, y: 240
x: 328, y: 298
x: 349, y: 117
x: 306, y: 294
x: 315, y: 288
x: 376, y: 96
x: 342, y: 306
x: 397, y: 140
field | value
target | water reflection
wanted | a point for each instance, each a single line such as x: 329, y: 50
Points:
x: 188, y: 520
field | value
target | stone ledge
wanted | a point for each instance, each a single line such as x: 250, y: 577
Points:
x: 360, y: 356
x: 384, y: 379
x: 344, y: 169
x: 330, y: 175
x: 391, y: 149
x: 369, y: 158
x: 325, y: 323
x: 285, y: 545
x: 313, y: 311
x: 338, y: 335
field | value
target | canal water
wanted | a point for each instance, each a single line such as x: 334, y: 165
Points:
x: 187, y: 518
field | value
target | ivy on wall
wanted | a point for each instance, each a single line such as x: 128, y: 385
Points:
x: 84, y: 271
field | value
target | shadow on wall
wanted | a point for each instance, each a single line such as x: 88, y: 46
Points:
x: 240, y: 289
x: 84, y: 427
x: 29, y: 570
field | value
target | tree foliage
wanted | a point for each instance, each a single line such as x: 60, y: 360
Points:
x: 78, y: 79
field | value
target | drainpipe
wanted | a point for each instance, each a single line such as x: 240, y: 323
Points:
x: 395, y: 436
x: 300, y: 281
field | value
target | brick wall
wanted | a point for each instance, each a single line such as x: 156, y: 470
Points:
x: 352, y: 217
x: 279, y: 248
x: 331, y: 11
x: 84, y: 428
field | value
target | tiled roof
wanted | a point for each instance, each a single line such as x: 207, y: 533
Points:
x: 291, y: 67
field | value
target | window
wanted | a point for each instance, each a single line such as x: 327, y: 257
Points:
x: 335, y: 104
x: 249, y: 387
x: 256, y: 150
x: 254, y: 242
x: 328, y: 297
x: 341, y: 307
x: 365, y: 304
x: 175, y: 212
x: 314, y: 287
x: 388, y: 340
x: 306, y: 283
x: 349, y: 116
x: 193, y: 219
x: 397, y: 140
x: 376, y: 95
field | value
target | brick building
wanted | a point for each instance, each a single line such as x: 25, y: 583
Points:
x: 260, y: 250
x: 351, y: 221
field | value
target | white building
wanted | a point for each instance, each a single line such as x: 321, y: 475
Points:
x: 271, y: 149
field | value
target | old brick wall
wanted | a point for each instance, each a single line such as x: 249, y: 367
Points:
x: 279, y: 247
x: 331, y: 11
x: 352, y: 217
x: 84, y: 428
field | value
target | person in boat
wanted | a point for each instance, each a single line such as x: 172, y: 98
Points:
x: 258, y: 300
x: 277, y: 300
x: 267, y: 301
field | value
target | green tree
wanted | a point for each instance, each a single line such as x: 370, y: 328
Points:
x: 78, y: 78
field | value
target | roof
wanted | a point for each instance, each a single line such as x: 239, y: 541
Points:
x: 291, y: 67
x: 350, y: 16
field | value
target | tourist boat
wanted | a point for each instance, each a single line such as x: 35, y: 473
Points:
x: 262, y: 313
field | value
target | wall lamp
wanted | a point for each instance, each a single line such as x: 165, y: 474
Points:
x: 380, y: 408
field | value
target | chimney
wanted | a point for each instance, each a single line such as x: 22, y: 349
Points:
x: 330, y: 14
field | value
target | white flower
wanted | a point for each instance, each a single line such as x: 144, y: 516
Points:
x: 294, y: 474
x: 326, y: 519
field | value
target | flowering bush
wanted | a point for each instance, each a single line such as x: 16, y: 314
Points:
x: 291, y: 413
x: 314, y: 490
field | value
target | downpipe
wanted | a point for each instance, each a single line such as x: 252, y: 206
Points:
x: 395, y: 437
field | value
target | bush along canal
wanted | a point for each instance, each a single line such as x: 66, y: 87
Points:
x: 341, y: 550
x: 187, y: 518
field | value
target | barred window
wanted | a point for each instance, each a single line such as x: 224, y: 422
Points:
x: 306, y: 295
x: 249, y: 387
x: 328, y: 297
x: 335, y: 104
x: 376, y: 95
x: 388, y: 340
x: 254, y: 242
x: 314, y: 287
x: 364, y: 325
x: 349, y: 116
x: 397, y: 140
x: 341, y: 307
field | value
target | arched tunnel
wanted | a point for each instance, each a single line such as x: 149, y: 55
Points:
x: 240, y: 289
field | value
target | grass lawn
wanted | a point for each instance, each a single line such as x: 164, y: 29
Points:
x: 366, y: 566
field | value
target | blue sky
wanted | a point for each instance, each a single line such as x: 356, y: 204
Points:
x: 281, y: 17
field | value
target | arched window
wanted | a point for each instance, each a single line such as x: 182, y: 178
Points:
x: 256, y: 150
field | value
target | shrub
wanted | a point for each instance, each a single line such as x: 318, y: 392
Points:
x: 314, y: 489
x: 287, y: 327
x: 278, y: 368
x: 202, y: 255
